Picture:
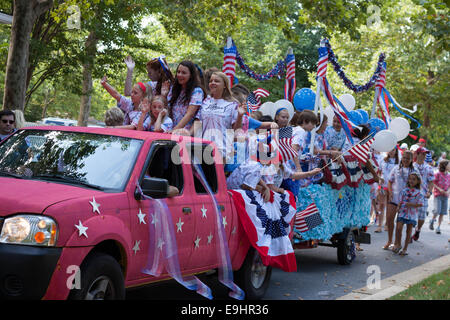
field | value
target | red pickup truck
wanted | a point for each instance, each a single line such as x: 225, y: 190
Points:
x: 74, y: 225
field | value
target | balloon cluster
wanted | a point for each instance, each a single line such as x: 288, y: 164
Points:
x: 386, y: 139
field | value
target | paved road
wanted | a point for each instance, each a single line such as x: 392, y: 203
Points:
x: 319, y: 276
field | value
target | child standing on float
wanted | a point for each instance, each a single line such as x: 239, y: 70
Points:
x: 410, y: 200
x: 396, y: 183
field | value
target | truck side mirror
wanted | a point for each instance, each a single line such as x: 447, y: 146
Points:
x: 153, y: 187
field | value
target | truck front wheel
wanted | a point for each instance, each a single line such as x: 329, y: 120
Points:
x: 101, y: 279
x: 346, y: 249
x: 253, y: 277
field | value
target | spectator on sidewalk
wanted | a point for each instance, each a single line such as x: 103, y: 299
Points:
x: 441, y: 192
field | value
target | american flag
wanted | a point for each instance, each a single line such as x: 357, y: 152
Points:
x: 284, y: 144
x: 307, y: 219
x: 361, y: 151
x: 229, y: 62
x: 254, y: 99
x: 323, y: 62
x: 381, y: 81
x: 289, y: 87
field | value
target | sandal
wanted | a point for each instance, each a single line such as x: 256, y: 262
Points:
x: 387, y: 246
x: 396, y: 250
x: 378, y: 230
x: 403, y: 253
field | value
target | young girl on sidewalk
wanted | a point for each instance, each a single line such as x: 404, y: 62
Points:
x: 441, y: 192
x: 410, y: 200
x: 396, y: 183
x: 386, y: 165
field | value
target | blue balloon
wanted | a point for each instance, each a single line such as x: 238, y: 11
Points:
x: 364, y: 114
x: 304, y: 99
x: 355, y: 117
x: 376, y: 125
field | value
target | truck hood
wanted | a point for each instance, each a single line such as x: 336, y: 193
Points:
x: 31, y: 196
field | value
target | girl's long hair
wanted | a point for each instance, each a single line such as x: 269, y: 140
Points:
x: 227, y: 93
x: 386, y: 159
x: 165, y: 75
x: 193, y: 82
x: 411, y: 155
x: 163, y: 100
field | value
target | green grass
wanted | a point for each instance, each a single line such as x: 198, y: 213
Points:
x: 435, y: 287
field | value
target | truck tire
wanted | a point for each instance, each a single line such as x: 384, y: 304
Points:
x: 253, y: 277
x: 346, y: 249
x: 101, y: 279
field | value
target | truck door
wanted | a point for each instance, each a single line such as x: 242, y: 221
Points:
x: 162, y: 164
x: 204, y: 252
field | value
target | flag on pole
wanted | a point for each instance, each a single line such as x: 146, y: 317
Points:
x: 229, y: 62
x: 361, y: 151
x: 254, y: 99
x: 290, y: 84
x: 308, y: 219
x: 284, y: 144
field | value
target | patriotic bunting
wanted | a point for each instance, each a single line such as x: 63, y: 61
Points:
x: 267, y: 225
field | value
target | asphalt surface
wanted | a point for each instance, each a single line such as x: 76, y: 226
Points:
x: 318, y: 275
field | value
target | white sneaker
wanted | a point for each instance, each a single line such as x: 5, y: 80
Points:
x: 438, y: 230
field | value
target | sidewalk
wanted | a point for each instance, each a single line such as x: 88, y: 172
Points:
x: 400, y: 282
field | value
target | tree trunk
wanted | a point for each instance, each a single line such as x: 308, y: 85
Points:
x: 25, y: 13
x: 88, y: 65
x: 428, y: 106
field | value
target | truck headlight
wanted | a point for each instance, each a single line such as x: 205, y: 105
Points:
x: 29, y: 230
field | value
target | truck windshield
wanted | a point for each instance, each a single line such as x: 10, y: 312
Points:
x: 90, y: 160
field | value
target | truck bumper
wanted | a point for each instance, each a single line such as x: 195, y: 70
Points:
x: 25, y: 271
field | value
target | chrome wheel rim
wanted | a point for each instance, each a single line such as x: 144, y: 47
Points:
x: 101, y: 288
x: 259, y: 271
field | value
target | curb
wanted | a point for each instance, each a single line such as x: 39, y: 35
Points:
x: 397, y: 283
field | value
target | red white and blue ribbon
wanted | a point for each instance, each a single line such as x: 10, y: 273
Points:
x: 163, y: 251
x: 290, y: 84
x: 225, y: 268
x: 383, y: 97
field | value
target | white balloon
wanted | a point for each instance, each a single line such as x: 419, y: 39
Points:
x: 348, y: 101
x: 400, y: 126
x: 330, y: 114
x: 267, y: 108
x: 385, y: 141
x: 284, y: 104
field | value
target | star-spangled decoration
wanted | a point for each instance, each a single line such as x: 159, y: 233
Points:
x: 81, y: 229
x: 141, y: 217
x: 224, y: 221
x: 95, y: 205
x: 160, y: 243
x: 154, y: 219
x: 179, y: 224
x: 203, y: 209
x: 210, y: 238
x: 197, y: 242
x: 136, y: 246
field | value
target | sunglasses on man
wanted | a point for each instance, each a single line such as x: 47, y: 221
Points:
x: 8, y: 121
